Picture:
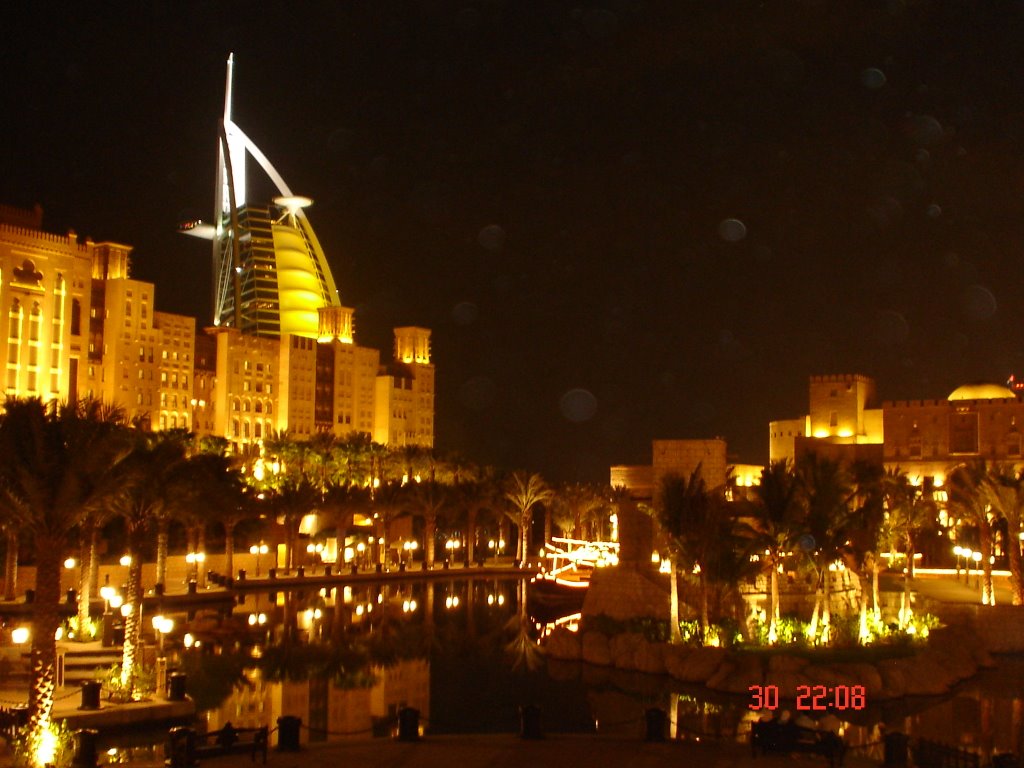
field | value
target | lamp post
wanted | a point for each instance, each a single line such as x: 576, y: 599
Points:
x: 958, y: 552
x: 258, y: 549
x: 976, y: 557
x: 194, y: 560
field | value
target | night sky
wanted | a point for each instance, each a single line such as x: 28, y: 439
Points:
x: 622, y: 220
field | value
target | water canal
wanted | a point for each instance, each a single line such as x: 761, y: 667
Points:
x: 465, y: 654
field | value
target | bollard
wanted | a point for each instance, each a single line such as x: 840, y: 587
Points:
x: 655, y: 724
x: 159, y: 589
x: 85, y: 748
x: 380, y: 567
x: 90, y: 694
x: 241, y: 574
x: 181, y: 748
x: 272, y: 573
x: 176, y: 685
x: 192, y: 586
x: 288, y: 733
x: 408, y: 724
x: 355, y: 569
x: 895, y: 747
x: 529, y: 722
x: 401, y: 567
x: 71, y: 596
x: 300, y: 572
x: 327, y: 570
x: 30, y: 595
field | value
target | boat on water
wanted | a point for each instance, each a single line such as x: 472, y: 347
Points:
x: 566, y: 569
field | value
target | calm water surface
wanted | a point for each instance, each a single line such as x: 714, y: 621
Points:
x: 464, y: 654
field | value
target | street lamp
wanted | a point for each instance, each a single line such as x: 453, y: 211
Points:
x: 194, y: 560
x: 162, y: 625
x: 258, y: 549
x: 958, y: 552
x: 976, y: 557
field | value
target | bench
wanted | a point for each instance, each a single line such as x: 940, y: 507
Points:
x: 185, y: 747
x: 773, y: 736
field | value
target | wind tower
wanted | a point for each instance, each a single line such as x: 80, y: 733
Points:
x: 270, y: 275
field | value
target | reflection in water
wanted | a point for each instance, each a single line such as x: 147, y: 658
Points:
x: 463, y: 653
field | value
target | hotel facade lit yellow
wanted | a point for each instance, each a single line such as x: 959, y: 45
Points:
x: 79, y: 325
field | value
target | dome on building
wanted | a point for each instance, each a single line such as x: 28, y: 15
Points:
x: 982, y: 392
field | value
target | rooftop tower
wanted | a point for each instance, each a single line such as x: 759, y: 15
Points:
x: 270, y: 275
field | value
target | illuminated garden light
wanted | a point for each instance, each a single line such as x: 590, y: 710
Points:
x: 126, y: 560
x: 20, y: 635
x: 70, y: 563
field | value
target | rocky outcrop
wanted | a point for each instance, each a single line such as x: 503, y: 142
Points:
x: 952, y: 654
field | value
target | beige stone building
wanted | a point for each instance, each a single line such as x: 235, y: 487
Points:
x: 79, y: 325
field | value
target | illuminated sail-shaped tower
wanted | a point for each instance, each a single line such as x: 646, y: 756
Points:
x: 270, y: 275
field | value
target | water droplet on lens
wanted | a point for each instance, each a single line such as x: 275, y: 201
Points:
x: 578, y: 405
x: 891, y: 327
x: 872, y: 78
x: 979, y: 303
x: 933, y: 211
x: 732, y: 230
x: 806, y: 542
x: 491, y: 237
x: 464, y: 313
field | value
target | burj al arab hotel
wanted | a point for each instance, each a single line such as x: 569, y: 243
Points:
x: 270, y: 275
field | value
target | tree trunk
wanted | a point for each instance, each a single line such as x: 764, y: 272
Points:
x: 229, y: 549
x: 201, y: 563
x: 471, y: 514
x: 702, y: 580
x: 988, y: 595
x: 11, y: 566
x: 1014, y: 561
x: 673, y: 605
x: 547, y: 525
x: 429, y: 540
x: 875, y: 602
x: 133, y: 621
x: 525, y: 523
x: 45, y: 621
x: 906, y: 612
x: 161, y: 551
x: 94, y: 562
x: 773, y: 624
x: 85, y: 579
x: 826, y: 604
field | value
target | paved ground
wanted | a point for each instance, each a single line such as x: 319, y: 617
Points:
x: 513, y: 752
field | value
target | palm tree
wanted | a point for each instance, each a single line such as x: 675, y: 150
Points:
x: 778, y: 523
x: 525, y: 492
x: 576, y: 506
x: 968, y: 501
x: 827, y: 490
x: 690, y: 517
x: 478, y: 497
x: 1003, y: 486
x: 292, y: 500
x: 429, y: 499
x: 58, y: 462
x: 342, y: 500
x: 909, y: 511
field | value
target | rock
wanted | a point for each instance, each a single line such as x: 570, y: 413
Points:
x: 564, y: 645
x: 650, y: 658
x: 596, y: 649
x: 867, y: 675
x: 785, y: 663
x: 738, y: 673
x: 786, y: 682
x: 623, y: 650
x: 698, y: 665
x: 925, y: 676
x: 894, y: 679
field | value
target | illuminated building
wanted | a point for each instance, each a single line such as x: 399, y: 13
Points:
x: 924, y: 438
x: 683, y: 457
x: 45, y: 292
x: 270, y: 275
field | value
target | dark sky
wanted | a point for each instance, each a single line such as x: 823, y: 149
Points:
x: 622, y: 220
